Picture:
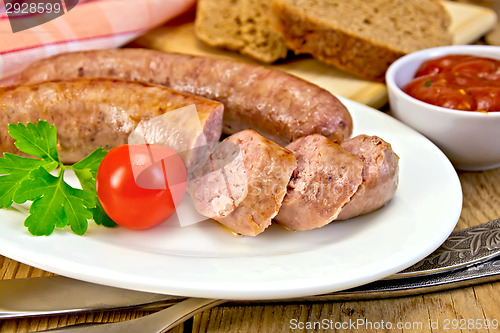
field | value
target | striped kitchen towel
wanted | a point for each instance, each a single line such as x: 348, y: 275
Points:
x: 91, y: 24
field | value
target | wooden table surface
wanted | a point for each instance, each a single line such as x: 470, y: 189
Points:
x: 481, y: 203
x: 422, y: 313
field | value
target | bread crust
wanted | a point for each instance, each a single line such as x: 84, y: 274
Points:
x: 345, y: 50
x: 242, y: 26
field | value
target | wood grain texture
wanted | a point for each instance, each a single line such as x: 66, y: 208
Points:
x: 49, y: 322
x: 422, y: 313
x: 481, y: 192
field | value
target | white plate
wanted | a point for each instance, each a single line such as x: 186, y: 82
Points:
x: 205, y: 260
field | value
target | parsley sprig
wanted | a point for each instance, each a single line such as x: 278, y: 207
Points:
x: 55, y: 204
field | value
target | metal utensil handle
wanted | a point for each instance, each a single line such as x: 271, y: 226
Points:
x: 168, y: 318
x: 158, y: 322
x: 462, y: 248
x: 481, y: 273
x: 56, y: 295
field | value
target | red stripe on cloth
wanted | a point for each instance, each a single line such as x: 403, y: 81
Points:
x: 137, y: 31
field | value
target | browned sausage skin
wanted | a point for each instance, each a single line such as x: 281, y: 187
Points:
x: 93, y: 113
x: 279, y: 106
x: 249, y: 194
x: 380, y: 175
x: 325, y: 179
x: 335, y: 182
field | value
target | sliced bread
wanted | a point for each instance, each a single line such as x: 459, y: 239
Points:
x: 240, y: 25
x: 358, y: 36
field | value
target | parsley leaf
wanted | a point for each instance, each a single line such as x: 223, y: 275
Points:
x: 86, y: 169
x: 13, y: 170
x: 55, y: 204
x: 86, y: 172
x: 101, y: 218
x: 38, y: 140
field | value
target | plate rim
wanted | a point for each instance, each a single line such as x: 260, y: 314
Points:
x: 255, y: 290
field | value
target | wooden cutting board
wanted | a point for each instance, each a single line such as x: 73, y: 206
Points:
x: 469, y: 23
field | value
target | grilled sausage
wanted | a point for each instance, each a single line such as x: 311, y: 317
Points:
x: 92, y: 113
x: 279, y: 106
x: 326, y: 178
x: 244, y: 193
x: 380, y: 175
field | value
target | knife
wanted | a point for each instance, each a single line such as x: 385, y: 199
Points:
x: 467, y: 257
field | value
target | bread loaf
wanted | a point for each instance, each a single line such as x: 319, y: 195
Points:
x: 358, y: 36
x: 240, y: 25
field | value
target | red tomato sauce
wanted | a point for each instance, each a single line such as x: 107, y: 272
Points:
x: 460, y: 82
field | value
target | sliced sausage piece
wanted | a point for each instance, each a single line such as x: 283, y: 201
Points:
x: 380, y: 175
x: 244, y: 192
x: 279, y: 106
x: 92, y: 113
x: 325, y: 179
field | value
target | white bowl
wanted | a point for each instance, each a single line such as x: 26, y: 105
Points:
x: 471, y: 140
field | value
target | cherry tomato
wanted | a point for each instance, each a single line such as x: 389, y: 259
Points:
x: 139, y: 186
